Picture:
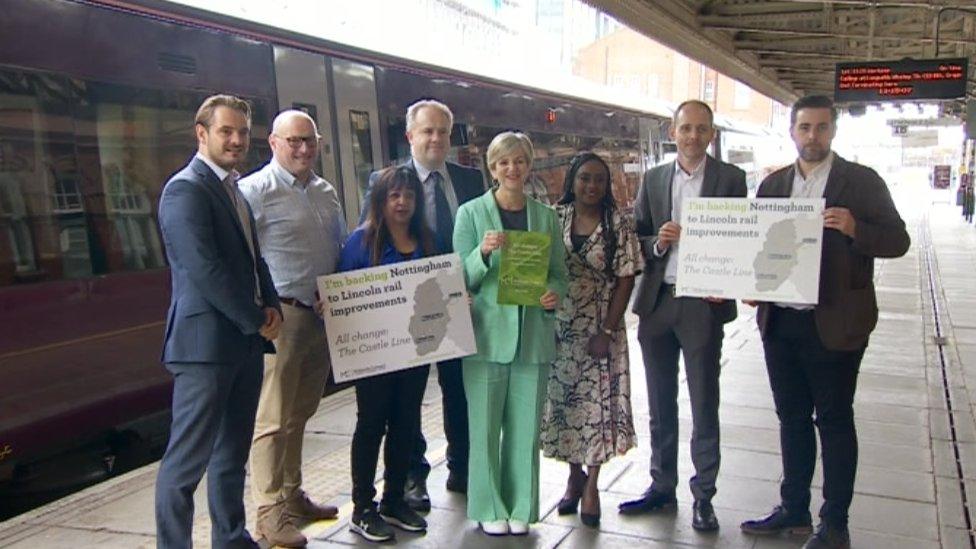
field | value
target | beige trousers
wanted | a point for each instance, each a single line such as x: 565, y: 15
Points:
x: 294, y: 380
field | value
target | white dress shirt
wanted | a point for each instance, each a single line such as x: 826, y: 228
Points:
x: 683, y: 185
x: 300, y: 227
x: 811, y: 186
x: 430, y: 202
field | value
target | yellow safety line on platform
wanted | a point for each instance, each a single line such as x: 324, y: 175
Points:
x: 322, y: 529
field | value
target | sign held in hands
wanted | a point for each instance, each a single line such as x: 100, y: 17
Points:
x: 524, y: 268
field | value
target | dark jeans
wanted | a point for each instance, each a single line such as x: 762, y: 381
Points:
x: 805, y: 378
x: 455, y: 424
x: 389, y: 405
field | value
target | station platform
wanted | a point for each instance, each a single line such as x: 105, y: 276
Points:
x: 917, y: 471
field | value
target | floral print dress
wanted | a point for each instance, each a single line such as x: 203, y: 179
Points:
x: 588, y: 418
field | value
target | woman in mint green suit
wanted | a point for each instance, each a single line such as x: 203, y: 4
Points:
x: 505, y: 382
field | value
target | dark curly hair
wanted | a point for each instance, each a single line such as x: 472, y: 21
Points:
x: 608, y: 203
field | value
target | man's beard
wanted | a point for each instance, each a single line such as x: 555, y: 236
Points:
x: 813, y: 153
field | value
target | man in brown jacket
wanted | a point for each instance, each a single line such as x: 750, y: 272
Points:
x: 813, y: 353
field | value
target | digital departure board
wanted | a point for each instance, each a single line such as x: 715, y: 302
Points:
x: 909, y: 79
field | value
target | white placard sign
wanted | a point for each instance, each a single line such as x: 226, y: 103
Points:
x: 763, y: 249
x: 396, y: 316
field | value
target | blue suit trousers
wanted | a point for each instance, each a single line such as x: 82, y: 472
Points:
x: 213, y: 421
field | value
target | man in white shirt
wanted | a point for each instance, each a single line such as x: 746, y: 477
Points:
x: 301, y: 227
x: 671, y: 325
x: 813, y: 352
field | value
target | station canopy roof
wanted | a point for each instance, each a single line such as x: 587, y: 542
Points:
x: 788, y: 48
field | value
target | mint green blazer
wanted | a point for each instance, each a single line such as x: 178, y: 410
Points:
x: 496, y: 327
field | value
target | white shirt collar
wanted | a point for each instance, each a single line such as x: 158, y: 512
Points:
x: 695, y: 172
x: 423, y: 173
x: 819, y: 171
x: 217, y: 170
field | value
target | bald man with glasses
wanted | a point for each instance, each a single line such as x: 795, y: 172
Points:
x: 300, y: 226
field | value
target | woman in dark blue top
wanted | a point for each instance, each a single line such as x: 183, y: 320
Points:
x: 394, y: 231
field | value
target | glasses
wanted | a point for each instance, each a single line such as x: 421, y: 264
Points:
x: 297, y: 142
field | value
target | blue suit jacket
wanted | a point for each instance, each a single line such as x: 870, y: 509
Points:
x: 212, y: 314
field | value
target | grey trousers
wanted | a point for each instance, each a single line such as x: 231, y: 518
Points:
x: 686, y: 326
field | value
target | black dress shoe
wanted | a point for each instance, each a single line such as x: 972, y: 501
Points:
x: 456, y: 482
x: 779, y: 520
x: 828, y: 537
x: 703, y: 516
x: 416, y: 496
x: 651, y: 501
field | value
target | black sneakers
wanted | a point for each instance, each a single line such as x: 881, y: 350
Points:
x: 369, y: 524
x: 400, y: 514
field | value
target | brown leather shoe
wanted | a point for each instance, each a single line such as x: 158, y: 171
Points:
x: 303, y: 508
x: 274, y: 526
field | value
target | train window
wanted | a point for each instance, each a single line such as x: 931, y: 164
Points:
x: 82, y: 165
x: 362, y: 149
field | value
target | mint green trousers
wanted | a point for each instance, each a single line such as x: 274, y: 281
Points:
x: 504, y: 408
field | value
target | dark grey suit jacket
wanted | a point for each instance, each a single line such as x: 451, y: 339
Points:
x: 468, y: 183
x: 653, y: 209
x: 847, y: 310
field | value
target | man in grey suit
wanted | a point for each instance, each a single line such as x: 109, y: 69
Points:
x: 671, y: 325
x: 813, y: 352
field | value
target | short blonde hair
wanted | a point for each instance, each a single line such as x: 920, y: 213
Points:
x: 506, y: 143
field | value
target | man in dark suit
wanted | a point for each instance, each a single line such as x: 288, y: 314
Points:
x: 671, y: 325
x: 446, y: 186
x: 813, y: 353
x: 223, y: 314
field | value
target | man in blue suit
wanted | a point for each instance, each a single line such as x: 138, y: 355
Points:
x: 223, y: 315
x: 446, y: 186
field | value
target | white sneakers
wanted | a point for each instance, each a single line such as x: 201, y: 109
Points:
x: 504, y: 527
x: 494, y: 527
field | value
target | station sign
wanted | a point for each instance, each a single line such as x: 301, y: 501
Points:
x: 908, y: 79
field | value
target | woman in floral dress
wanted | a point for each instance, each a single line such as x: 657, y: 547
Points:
x: 588, y: 417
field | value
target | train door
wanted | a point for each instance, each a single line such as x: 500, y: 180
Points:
x: 358, y: 130
x: 303, y: 83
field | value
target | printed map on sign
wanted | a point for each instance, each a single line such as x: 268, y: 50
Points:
x: 765, y: 249
x: 397, y: 316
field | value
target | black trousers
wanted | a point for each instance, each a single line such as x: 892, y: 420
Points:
x: 389, y: 405
x: 807, y: 378
x: 455, y: 411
